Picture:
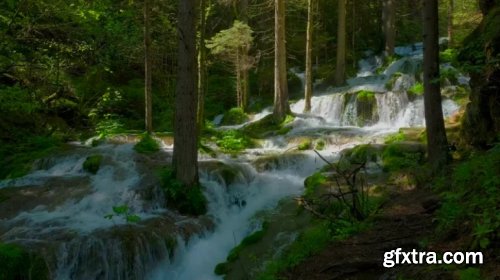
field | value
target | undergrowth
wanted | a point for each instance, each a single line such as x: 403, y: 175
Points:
x: 147, y: 145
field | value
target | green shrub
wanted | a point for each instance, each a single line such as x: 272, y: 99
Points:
x: 305, y: 144
x: 147, y: 145
x: 320, y: 145
x: 448, y: 56
x: 187, y: 200
x: 394, y: 138
x: 312, y: 183
x: 235, y: 116
x: 472, y: 199
x: 416, y: 90
x: 92, y: 164
x: 233, y: 141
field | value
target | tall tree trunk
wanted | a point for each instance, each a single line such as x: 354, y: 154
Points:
x: 239, y: 90
x: 281, y: 106
x: 437, y: 144
x: 451, y: 7
x: 341, y: 43
x: 202, y: 69
x: 389, y: 23
x: 308, y: 86
x: 147, y: 68
x: 245, y: 59
x: 185, y: 158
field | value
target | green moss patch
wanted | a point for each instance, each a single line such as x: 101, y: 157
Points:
x: 416, y: 90
x: 92, y: 163
x: 147, y: 145
x: 235, y: 116
x: 267, y: 126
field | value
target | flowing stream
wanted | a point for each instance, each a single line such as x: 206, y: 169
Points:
x: 71, y: 224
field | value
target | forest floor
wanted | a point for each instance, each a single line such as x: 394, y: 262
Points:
x: 403, y: 223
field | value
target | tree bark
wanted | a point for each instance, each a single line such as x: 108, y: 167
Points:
x: 341, y: 43
x: 185, y: 158
x: 202, y: 69
x: 308, y: 86
x: 451, y: 8
x: 437, y: 144
x: 245, y: 59
x: 281, y: 106
x: 389, y: 26
x: 147, y: 68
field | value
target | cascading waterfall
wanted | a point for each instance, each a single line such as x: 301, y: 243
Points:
x: 79, y: 242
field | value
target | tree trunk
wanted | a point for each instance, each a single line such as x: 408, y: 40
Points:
x: 185, y: 158
x: 202, y: 69
x: 389, y: 21
x: 147, y: 68
x: 437, y: 144
x: 451, y: 7
x: 341, y: 44
x: 308, y: 86
x: 245, y: 59
x: 239, y: 90
x: 281, y: 106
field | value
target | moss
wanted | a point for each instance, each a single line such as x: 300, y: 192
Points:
x: 362, y: 153
x: 267, y: 126
x: 394, y: 138
x: 17, y: 263
x: 312, y: 183
x: 471, y: 197
x: 448, y: 56
x: 365, y: 95
x: 223, y: 268
x: 235, y: 116
x: 147, y: 145
x: 187, y: 200
x: 92, y: 163
x: 305, y: 144
x: 416, y: 90
x: 320, y: 145
x: 399, y: 156
x: 233, y: 141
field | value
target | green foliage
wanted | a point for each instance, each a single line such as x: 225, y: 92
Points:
x: 187, y: 200
x: 233, y: 141
x: 472, y: 199
x: 320, y: 145
x: 235, y: 116
x: 390, y: 83
x: 147, y: 145
x: 311, y: 241
x: 16, y: 159
x: 362, y: 153
x: 470, y: 273
x: 17, y: 263
x: 394, y: 158
x: 394, y: 138
x: 312, y: 183
x: 448, y: 56
x: 92, y: 163
x: 417, y: 89
x: 230, y: 41
x: 124, y: 211
x: 449, y: 74
x: 305, y: 144
x: 365, y: 95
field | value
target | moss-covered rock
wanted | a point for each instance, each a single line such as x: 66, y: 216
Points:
x: 267, y: 126
x: 366, y: 104
x: 92, y: 163
x: 235, y: 116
